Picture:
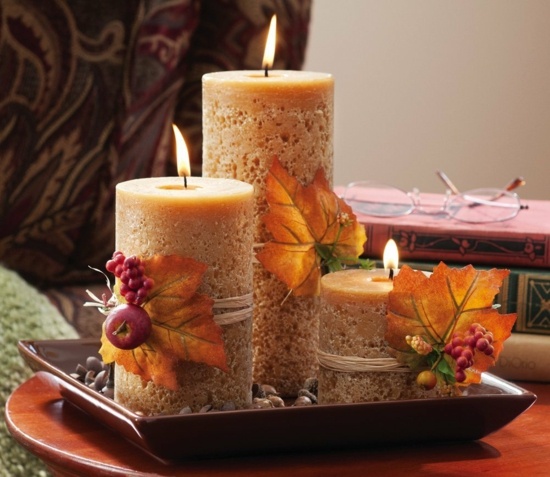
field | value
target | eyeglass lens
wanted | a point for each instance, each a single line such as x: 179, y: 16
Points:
x: 475, y: 206
x: 483, y: 206
x: 380, y: 200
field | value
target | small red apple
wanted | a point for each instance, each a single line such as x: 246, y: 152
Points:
x: 128, y: 326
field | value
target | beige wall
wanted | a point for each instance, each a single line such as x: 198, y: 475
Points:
x: 459, y: 85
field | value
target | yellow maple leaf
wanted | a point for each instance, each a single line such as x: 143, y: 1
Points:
x: 444, y: 305
x: 183, y: 324
x: 311, y: 228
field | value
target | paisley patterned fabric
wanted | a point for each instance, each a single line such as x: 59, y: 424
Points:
x: 88, y: 92
x: 87, y: 95
x: 231, y: 35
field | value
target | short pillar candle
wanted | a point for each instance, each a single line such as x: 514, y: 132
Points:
x: 355, y: 365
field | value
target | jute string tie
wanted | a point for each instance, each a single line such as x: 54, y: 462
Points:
x: 353, y: 364
x: 242, y: 306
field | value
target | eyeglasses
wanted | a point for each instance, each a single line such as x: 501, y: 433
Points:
x: 474, y: 206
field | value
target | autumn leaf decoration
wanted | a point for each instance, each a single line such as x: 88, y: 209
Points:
x: 312, y: 229
x: 447, y: 322
x: 183, y: 324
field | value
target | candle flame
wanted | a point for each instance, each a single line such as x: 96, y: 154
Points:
x: 391, y: 255
x: 182, y: 154
x: 269, y: 52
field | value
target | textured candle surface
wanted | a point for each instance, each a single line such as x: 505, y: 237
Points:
x: 353, y: 323
x: 247, y: 120
x: 211, y: 222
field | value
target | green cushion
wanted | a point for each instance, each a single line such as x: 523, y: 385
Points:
x: 24, y: 314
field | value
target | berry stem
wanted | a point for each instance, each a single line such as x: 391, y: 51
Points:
x: 120, y: 329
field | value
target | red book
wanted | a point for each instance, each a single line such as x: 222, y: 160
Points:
x: 522, y: 241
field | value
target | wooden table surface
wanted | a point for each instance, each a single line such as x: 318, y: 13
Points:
x: 72, y: 444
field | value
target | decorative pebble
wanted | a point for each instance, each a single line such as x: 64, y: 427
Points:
x: 269, y: 390
x: 303, y: 401
x: 89, y: 378
x: 228, y: 406
x: 81, y: 371
x: 262, y: 403
x: 312, y: 385
x: 100, y: 380
x: 96, y: 375
x: 276, y: 400
x: 100, y: 377
x: 308, y: 394
x: 94, y: 364
x: 109, y: 392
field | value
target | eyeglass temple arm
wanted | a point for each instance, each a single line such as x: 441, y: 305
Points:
x: 447, y: 182
x: 513, y: 184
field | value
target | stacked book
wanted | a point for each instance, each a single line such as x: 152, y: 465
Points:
x: 521, y: 245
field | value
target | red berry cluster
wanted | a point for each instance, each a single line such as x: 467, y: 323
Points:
x: 463, y: 346
x: 135, y: 285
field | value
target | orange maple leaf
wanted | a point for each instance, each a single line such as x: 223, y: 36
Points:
x: 447, y: 302
x: 183, y: 324
x: 311, y: 228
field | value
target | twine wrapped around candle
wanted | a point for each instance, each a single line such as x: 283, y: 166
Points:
x: 244, y: 303
x: 351, y: 364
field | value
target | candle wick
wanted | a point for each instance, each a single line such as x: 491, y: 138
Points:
x: 185, y: 181
x: 266, y: 70
x: 391, y: 274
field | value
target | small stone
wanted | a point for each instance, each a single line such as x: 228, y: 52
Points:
x: 276, y: 400
x: 310, y: 395
x: 108, y: 392
x: 228, y: 406
x: 81, y: 371
x: 262, y: 403
x: 206, y: 408
x: 269, y: 390
x: 303, y: 401
x: 186, y: 410
x: 89, y: 378
x: 94, y: 364
x: 100, y: 380
x: 312, y: 385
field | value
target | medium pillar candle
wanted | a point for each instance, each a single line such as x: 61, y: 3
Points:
x: 209, y: 221
x: 355, y: 363
x: 248, y: 119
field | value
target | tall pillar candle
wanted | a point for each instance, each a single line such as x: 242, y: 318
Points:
x: 355, y: 365
x: 247, y: 120
x: 210, y: 221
